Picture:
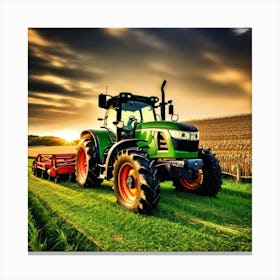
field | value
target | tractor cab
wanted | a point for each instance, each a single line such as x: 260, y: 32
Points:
x: 125, y: 112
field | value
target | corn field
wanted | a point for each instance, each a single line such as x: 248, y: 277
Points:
x: 230, y: 138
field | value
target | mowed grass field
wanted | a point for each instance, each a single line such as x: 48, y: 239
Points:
x: 65, y: 217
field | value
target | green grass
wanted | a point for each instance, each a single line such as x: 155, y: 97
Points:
x: 35, y: 242
x: 73, y: 218
x: 48, y: 232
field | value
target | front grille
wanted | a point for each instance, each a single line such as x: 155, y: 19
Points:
x: 185, y: 145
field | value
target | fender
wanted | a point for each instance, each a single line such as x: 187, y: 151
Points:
x: 102, y: 139
x: 118, y: 146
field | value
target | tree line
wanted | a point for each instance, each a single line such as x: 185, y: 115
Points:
x: 34, y: 140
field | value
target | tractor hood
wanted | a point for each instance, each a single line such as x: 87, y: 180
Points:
x: 167, y: 125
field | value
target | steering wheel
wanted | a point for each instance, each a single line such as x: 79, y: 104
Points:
x: 129, y: 126
x: 131, y: 119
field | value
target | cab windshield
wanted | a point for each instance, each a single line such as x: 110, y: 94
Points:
x: 138, y: 111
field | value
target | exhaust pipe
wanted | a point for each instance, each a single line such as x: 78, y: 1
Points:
x: 163, y: 103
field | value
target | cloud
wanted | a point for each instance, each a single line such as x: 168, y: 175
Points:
x: 226, y: 74
x: 57, y: 75
x: 35, y: 39
x: 162, y: 68
x: 116, y: 32
x: 46, y: 110
x: 41, y: 61
x: 212, y: 57
x: 47, y: 86
x: 240, y: 31
x: 54, y: 79
x: 136, y: 37
x: 231, y: 77
x: 148, y: 39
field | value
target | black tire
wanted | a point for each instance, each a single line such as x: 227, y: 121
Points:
x: 136, y: 181
x: 56, y: 178
x: 43, y: 174
x: 37, y: 172
x: 87, y: 169
x: 50, y: 178
x: 71, y: 178
x: 211, y: 176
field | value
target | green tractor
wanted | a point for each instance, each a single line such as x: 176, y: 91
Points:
x: 138, y: 151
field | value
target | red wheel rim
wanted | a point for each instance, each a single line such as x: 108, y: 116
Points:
x: 192, y: 184
x: 82, y: 164
x: 128, y: 183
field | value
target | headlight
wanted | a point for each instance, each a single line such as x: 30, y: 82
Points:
x: 184, y: 135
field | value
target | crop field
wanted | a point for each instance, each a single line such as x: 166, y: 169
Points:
x: 35, y: 150
x: 230, y: 139
x: 65, y: 217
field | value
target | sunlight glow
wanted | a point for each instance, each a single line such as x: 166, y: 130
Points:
x: 68, y: 135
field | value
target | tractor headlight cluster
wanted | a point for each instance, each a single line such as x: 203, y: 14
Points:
x: 184, y: 135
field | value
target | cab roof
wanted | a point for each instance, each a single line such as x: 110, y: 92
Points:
x: 124, y: 97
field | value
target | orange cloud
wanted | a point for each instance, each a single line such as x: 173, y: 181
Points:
x: 227, y: 75
x: 36, y: 39
x: 215, y: 58
x: 116, y: 32
x: 137, y: 36
x: 161, y: 68
x: 232, y: 76
x: 54, y: 79
x: 240, y: 31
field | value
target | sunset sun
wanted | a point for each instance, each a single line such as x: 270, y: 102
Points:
x: 68, y: 135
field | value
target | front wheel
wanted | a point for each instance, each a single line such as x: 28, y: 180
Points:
x: 209, y: 180
x: 136, y: 181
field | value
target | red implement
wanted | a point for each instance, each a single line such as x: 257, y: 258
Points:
x: 55, y: 166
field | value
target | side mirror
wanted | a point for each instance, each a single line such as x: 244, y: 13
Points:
x: 171, y: 109
x: 102, y: 101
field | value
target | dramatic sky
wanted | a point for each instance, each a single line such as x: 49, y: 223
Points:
x: 208, y: 72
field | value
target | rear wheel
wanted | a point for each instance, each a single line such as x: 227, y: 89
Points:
x: 87, y: 163
x: 189, y: 184
x: 136, y: 181
x: 209, y: 180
